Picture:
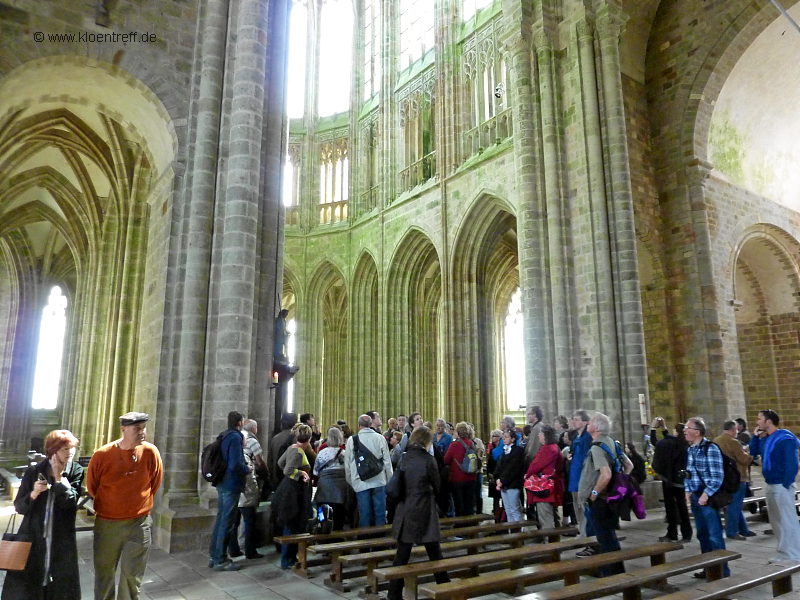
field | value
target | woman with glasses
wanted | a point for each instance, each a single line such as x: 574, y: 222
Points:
x: 48, y: 499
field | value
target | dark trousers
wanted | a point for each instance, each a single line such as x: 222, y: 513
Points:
x: 604, y: 529
x: 402, y: 557
x: 463, y: 497
x: 677, y: 511
x: 246, y: 515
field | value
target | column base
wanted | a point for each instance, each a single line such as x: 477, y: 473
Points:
x: 182, y: 528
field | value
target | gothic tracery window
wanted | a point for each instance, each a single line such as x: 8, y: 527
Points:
x: 417, y: 112
x: 47, y: 377
x: 334, y: 180
x: 484, y: 68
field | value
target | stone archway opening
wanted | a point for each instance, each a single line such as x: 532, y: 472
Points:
x: 85, y: 189
x: 767, y: 307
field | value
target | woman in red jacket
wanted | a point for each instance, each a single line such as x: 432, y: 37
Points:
x: 462, y: 485
x: 547, y: 462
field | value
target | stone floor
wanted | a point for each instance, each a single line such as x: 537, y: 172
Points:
x: 186, y: 576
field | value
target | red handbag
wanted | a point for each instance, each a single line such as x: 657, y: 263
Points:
x: 540, y: 486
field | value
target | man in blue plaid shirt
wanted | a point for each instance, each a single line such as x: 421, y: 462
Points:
x: 704, y: 474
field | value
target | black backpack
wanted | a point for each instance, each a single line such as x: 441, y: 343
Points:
x: 212, y: 461
x: 367, y: 465
x: 730, y: 480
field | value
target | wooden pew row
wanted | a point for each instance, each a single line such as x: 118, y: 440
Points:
x: 632, y: 583
x: 512, y: 558
x: 780, y: 576
x: 513, y: 581
x: 304, y: 540
x: 336, y: 551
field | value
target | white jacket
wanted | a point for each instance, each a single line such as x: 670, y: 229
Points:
x: 375, y: 443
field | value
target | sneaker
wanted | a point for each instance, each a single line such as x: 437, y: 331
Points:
x: 227, y: 566
x: 254, y: 556
x: 588, y: 551
x: 236, y: 554
x: 666, y: 538
x: 737, y: 537
x: 699, y: 575
x: 748, y: 533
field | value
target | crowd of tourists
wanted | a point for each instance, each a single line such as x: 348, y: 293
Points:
x: 409, y: 472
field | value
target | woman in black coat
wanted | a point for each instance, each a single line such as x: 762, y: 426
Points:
x: 49, y: 494
x: 416, y: 519
x: 509, y: 473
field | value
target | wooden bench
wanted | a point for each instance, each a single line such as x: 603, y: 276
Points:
x: 780, y: 576
x: 514, y: 581
x: 514, y: 558
x: 337, y: 551
x: 304, y: 540
x: 631, y: 583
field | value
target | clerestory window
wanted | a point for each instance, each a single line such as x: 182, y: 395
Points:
x: 416, y: 30
x: 335, y: 56
x: 471, y: 7
x: 296, y: 85
x: 372, y: 48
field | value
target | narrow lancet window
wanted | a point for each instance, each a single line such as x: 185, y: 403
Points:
x: 47, y: 377
x: 515, y: 354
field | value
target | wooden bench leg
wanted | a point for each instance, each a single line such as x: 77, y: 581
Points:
x: 336, y: 571
x: 781, y: 586
x: 572, y: 578
x: 632, y: 593
x: 302, y: 557
x: 410, y: 587
x: 372, y: 581
x: 714, y: 572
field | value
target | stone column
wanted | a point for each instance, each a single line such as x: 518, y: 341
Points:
x: 178, y: 426
x: 236, y: 249
x: 531, y: 216
x: 603, y: 383
x: 630, y: 326
x: 556, y: 203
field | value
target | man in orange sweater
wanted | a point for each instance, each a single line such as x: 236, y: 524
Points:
x: 123, y: 478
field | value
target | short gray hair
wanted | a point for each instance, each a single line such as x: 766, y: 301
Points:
x: 364, y: 421
x: 335, y: 437
x: 509, y: 421
x: 601, y: 422
x: 250, y: 425
x: 699, y: 423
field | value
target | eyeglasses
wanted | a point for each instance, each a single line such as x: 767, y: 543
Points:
x: 692, y: 428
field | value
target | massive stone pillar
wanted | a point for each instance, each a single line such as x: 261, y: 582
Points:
x: 531, y: 216
x: 227, y: 271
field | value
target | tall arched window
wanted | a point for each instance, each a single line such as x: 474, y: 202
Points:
x: 47, y: 377
x: 372, y: 48
x: 515, y: 354
x: 335, y: 56
x: 416, y: 30
x: 298, y: 32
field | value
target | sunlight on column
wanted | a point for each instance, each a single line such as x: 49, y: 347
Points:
x: 50, y: 351
x: 515, y: 354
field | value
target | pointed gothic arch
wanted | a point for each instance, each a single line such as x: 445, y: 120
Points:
x: 79, y: 179
x: 415, y: 336
x: 485, y: 274
x: 323, y: 346
x: 365, y: 328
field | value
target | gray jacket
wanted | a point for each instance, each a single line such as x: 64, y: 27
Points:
x: 375, y: 443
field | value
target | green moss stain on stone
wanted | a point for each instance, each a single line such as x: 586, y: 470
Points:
x: 727, y: 145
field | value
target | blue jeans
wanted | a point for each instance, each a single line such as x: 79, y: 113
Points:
x: 735, y: 522
x: 224, y: 524
x: 289, y: 551
x: 371, y: 506
x: 708, y: 529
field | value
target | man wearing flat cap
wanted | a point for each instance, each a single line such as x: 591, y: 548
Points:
x: 123, y: 478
